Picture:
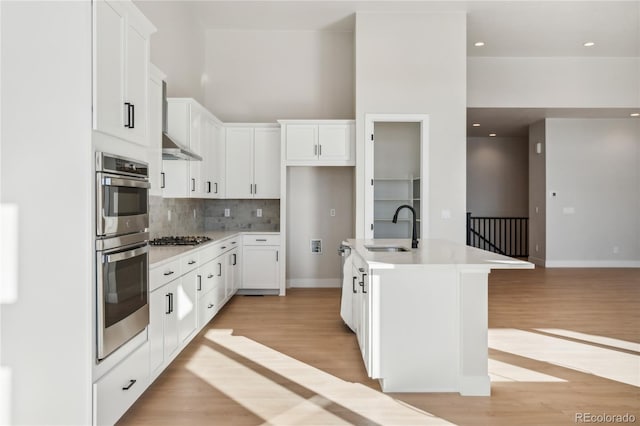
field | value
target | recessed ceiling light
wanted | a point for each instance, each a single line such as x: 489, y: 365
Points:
x: 633, y: 114
x: 478, y: 124
x: 589, y: 44
x: 492, y: 134
x: 478, y: 43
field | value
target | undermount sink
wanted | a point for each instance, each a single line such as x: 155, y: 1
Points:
x: 386, y: 248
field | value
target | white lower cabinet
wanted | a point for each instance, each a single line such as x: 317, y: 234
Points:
x: 260, y: 260
x: 361, y: 304
x: 208, y: 304
x: 117, y: 390
x: 186, y: 305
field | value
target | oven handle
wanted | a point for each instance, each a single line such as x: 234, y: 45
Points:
x: 110, y: 258
x: 113, y: 181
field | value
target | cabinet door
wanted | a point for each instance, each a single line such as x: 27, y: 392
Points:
x: 239, y: 163
x: 176, y: 178
x: 158, y: 306
x: 260, y: 268
x: 155, y: 136
x: 266, y: 163
x: 217, y: 161
x: 108, y: 68
x: 334, y: 142
x: 171, y: 341
x: 237, y: 271
x: 186, y: 305
x: 136, y: 80
x: 302, y: 142
x: 232, y: 275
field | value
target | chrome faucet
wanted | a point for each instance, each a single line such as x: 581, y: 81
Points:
x: 414, y: 237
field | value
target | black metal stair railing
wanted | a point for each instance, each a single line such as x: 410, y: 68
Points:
x: 504, y: 235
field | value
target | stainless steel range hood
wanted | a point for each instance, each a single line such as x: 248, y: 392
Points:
x: 171, y: 150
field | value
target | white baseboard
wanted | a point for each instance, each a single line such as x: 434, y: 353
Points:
x: 313, y: 282
x: 536, y: 261
x: 592, y: 264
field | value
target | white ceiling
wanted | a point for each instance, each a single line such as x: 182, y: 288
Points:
x: 508, y: 28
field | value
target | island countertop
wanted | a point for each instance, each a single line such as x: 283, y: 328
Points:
x: 433, y: 252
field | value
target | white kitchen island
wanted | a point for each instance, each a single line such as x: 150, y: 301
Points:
x: 420, y: 315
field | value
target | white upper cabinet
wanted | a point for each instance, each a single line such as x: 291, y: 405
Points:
x: 252, y: 161
x: 155, y: 131
x: 121, y: 70
x: 318, y: 142
x: 213, y: 152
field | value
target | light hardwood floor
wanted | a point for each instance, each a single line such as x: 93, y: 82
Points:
x: 291, y: 360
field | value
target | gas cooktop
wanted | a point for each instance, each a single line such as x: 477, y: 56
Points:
x: 179, y: 241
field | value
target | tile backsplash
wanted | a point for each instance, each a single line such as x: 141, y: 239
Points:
x: 175, y: 216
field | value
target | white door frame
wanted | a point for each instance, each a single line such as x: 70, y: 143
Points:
x: 369, y: 123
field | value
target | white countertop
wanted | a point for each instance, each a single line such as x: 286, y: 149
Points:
x: 432, y: 252
x: 160, y: 254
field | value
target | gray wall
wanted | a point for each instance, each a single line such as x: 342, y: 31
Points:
x: 177, y: 48
x: 537, y: 194
x: 498, y: 176
x: 415, y: 63
x: 262, y: 76
x: 312, y: 192
x: 593, y: 166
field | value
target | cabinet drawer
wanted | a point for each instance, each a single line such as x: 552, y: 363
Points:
x: 208, y: 307
x: 261, y: 240
x: 118, y: 389
x: 163, y: 274
x: 189, y: 261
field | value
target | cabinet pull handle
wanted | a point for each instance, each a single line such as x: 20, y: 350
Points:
x: 277, y: 255
x: 193, y: 185
x: 362, y: 283
x: 161, y: 179
x: 320, y: 153
x: 261, y: 239
x: 353, y: 285
x: 127, y: 106
x: 315, y: 149
x: 199, y: 282
x: 210, y: 306
x: 234, y: 242
x: 133, y: 116
x: 223, y: 247
x: 255, y: 189
x: 251, y: 188
x: 171, y: 303
x: 168, y: 273
x: 210, y: 276
x: 216, y: 186
x: 168, y: 296
x: 234, y: 259
x: 131, y: 383
x: 191, y: 262
x: 208, y: 187
x: 219, y: 269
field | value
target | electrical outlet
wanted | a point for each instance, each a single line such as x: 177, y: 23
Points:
x: 259, y: 213
x: 332, y: 212
x: 169, y: 215
x: 227, y: 212
x: 194, y: 213
x: 537, y: 248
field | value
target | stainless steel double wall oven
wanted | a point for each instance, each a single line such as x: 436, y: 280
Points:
x: 122, y: 250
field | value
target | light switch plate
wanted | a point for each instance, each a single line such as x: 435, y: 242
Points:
x: 316, y: 246
x: 227, y: 212
x: 259, y: 213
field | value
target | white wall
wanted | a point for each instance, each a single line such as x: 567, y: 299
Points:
x: 561, y: 82
x: 311, y: 193
x: 262, y: 76
x: 46, y: 173
x: 593, y: 166
x: 416, y: 64
x: 498, y: 176
x: 177, y: 48
x: 537, y: 194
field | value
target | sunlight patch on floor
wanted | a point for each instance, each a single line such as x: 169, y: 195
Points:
x: 602, y: 340
x: 278, y: 405
x: 503, y: 372
x: 607, y: 363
